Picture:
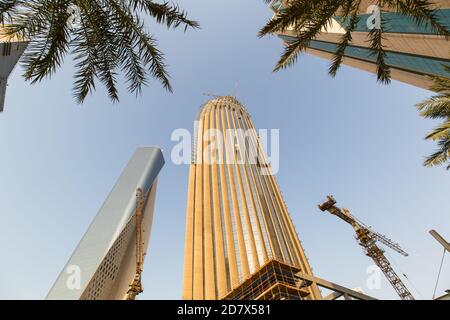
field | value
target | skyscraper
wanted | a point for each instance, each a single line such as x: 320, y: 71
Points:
x: 238, y: 229
x: 103, y: 264
x: 413, y: 51
x: 11, y: 51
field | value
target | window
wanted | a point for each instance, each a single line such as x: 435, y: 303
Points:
x: 7, y: 49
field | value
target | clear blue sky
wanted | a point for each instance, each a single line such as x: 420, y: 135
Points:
x: 348, y: 136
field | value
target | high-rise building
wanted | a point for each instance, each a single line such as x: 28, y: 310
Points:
x: 103, y: 265
x: 240, y: 240
x: 11, y: 50
x: 414, y: 52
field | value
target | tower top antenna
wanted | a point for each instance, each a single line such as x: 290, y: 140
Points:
x: 234, y: 93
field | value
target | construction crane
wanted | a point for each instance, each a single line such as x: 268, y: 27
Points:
x: 136, y: 286
x: 367, y: 238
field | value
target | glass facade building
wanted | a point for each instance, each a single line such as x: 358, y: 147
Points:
x: 414, y: 52
x: 237, y: 220
x: 103, y: 265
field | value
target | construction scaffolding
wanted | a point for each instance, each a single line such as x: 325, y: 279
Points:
x: 273, y: 281
x: 278, y: 281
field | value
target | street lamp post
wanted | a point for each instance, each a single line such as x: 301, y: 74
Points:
x: 446, y: 246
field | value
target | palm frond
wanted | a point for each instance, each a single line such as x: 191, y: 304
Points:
x: 435, y: 107
x: 439, y: 157
x: 438, y: 107
x: 350, y: 9
x: 165, y: 13
x: 111, y: 39
x: 305, y: 19
x: 440, y: 132
x: 441, y: 84
x: 423, y: 14
x: 307, y: 30
x: 294, y: 15
x: 7, y: 8
x: 377, y: 49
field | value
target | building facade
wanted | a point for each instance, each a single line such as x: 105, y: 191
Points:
x: 446, y: 296
x: 414, y: 52
x: 237, y: 226
x: 11, y: 49
x: 103, y: 264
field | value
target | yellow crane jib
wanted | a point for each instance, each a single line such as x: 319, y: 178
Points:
x: 367, y: 238
x: 136, y: 286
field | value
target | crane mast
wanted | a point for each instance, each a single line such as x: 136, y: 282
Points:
x: 367, y: 239
x: 136, y: 286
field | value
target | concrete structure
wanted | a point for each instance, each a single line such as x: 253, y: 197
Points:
x: 11, y: 49
x: 446, y: 296
x: 413, y: 51
x: 237, y: 221
x: 103, y: 264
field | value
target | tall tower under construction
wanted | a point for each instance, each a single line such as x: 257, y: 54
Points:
x: 240, y: 240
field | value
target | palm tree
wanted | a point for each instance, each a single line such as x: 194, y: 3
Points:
x: 107, y: 39
x: 309, y: 17
x: 438, y: 107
